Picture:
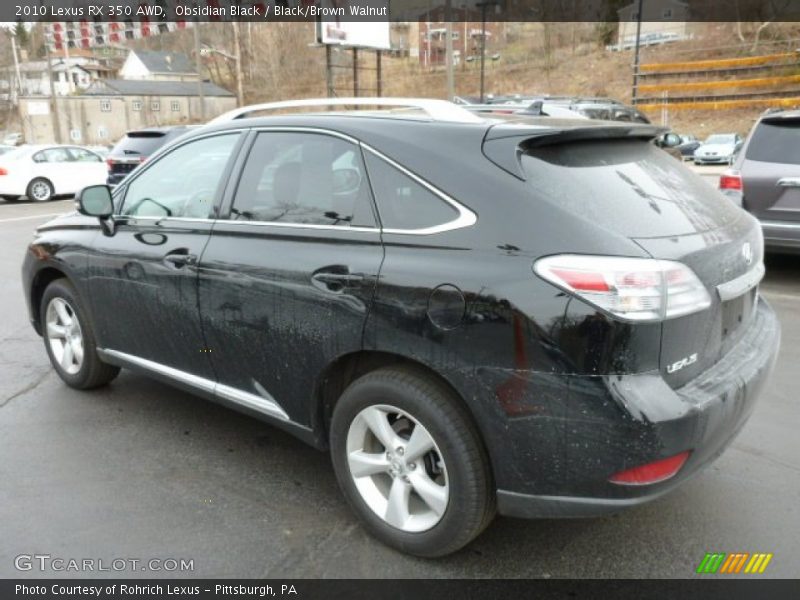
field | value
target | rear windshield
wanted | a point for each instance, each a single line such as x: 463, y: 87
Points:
x: 629, y: 187
x: 140, y: 143
x: 776, y: 142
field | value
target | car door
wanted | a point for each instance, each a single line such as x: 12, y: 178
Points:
x: 143, y: 277
x: 771, y: 170
x: 288, y: 275
x: 86, y: 168
x: 54, y: 164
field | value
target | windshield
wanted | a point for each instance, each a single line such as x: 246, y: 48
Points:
x: 720, y: 139
x: 139, y: 143
x: 626, y: 186
x: 776, y: 142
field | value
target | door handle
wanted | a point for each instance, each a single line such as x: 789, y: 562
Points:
x: 336, y: 278
x: 180, y: 258
x: 789, y: 182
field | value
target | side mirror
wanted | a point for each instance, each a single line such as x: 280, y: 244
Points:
x: 95, y: 201
x: 671, y: 140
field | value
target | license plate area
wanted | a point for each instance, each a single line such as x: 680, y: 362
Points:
x: 736, y: 313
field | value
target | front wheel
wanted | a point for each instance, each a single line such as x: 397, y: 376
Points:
x: 40, y: 190
x: 411, y: 463
x: 69, y: 339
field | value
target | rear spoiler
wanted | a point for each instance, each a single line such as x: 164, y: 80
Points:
x: 504, y: 145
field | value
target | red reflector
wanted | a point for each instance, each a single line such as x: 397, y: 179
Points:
x: 730, y: 182
x: 584, y: 281
x: 3, y: 171
x: 653, y: 472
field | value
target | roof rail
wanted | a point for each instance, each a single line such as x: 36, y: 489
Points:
x: 437, y: 110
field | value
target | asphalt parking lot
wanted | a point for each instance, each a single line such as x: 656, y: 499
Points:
x: 140, y: 470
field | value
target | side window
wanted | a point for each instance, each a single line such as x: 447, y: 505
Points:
x: 182, y: 183
x: 52, y: 155
x: 304, y: 178
x: 402, y: 202
x: 83, y: 155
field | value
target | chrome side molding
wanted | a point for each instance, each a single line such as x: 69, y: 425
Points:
x: 265, y: 403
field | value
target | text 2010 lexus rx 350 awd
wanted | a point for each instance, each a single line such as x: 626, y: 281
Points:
x: 530, y: 316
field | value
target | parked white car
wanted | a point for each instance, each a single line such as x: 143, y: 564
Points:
x: 42, y: 172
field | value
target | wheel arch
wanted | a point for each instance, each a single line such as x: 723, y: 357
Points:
x: 43, y: 278
x: 340, y: 373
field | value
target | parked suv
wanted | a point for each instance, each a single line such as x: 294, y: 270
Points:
x: 765, y: 178
x: 517, y: 314
x: 135, y: 147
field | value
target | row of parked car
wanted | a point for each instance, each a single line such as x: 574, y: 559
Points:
x: 42, y: 172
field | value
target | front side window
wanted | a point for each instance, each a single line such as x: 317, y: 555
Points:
x: 403, y: 203
x: 183, y: 183
x: 303, y: 178
x: 84, y: 155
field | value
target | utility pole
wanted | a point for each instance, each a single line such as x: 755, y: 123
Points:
x: 18, y: 87
x: 484, y: 6
x: 238, y: 63
x: 198, y: 63
x: 56, y: 121
x: 635, y: 90
x: 448, y: 49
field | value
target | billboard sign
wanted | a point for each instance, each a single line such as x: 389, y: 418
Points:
x: 354, y: 34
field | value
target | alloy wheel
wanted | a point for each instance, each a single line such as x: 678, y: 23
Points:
x: 64, y: 335
x: 40, y: 191
x: 397, y: 468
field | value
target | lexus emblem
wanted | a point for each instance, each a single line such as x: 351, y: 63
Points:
x: 747, y: 252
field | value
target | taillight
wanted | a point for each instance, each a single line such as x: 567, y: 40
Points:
x: 110, y: 163
x: 633, y: 289
x: 731, y: 180
x: 653, y: 472
x: 3, y: 171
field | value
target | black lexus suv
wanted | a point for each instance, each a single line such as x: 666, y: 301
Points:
x: 523, y: 315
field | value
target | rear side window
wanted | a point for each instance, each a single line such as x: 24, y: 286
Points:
x: 776, y: 142
x: 304, y: 178
x: 402, y: 202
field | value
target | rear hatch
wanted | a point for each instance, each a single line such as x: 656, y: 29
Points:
x: 771, y: 169
x: 133, y: 149
x: 622, y: 183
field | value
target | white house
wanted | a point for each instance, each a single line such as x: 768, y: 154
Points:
x: 158, y: 66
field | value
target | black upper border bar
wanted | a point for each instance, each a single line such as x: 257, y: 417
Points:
x: 155, y: 11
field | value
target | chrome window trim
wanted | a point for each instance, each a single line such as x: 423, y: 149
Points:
x: 266, y: 405
x: 466, y: 217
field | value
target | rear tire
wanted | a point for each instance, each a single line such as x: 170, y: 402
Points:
x: 40, y: 190
x: 69, y: 339
x: 426, y: 489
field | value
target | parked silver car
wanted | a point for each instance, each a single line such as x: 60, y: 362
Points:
x: 719, y: 148
x: 765, y: 178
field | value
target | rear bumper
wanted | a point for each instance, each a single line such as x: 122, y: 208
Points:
x: 617, y: 422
